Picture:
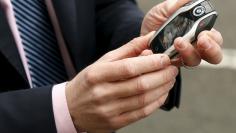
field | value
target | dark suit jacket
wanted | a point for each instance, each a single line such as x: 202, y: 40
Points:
x: 90, y: 28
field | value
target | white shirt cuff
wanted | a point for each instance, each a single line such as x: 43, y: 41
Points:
x: 63, y: 120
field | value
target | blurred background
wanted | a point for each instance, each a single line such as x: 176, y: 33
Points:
x: 208, y: 92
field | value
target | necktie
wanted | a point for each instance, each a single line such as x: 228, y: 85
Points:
x: 39, y: 42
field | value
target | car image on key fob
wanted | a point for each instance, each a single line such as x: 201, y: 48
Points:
x: 187, y: 22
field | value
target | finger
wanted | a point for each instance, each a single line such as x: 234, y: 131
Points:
x: 187, y: 52
x: 146, y: 53
x: 209, y: 50
x: 128, y: 68
x: 142, y: 100
x: 159, y: 14
x: 214, y: 35
x: 131, y: 49
x: 144, y: 83
x: 174, y: 5
x: 133, y: 116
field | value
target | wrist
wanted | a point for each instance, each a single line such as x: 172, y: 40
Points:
x: 71, y: 97
x: 68, y: 94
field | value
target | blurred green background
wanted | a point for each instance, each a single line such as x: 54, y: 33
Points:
x: 208, y: 92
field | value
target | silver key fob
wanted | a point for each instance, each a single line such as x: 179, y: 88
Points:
x: 187, y: 22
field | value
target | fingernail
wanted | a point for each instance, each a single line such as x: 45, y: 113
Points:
x: 180, y: 44
x: 164, y: 60
x: 175, y: 71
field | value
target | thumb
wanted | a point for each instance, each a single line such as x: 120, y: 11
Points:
x: 131, y: 49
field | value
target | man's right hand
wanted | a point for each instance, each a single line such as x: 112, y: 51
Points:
x: 120, y: 88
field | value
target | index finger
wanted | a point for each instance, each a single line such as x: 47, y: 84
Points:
x: 131, y: 67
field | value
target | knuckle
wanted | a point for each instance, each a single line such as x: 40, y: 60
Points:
x: 128, y: 69
x: 103, y: 114
x: 142, y: 85
x: 90, y: 76
x: 142, y: 100
x: 132, y: 45
x: 109, y: 55
x: 134, y: 41
x: 98, y: 96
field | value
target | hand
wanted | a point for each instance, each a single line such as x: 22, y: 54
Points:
x: 207, y: 47
x: 120, y: 88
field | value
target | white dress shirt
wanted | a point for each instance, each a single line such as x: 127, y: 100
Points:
x: 63, y: 121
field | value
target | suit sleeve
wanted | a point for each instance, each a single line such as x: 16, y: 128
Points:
x: 27, y: 111
x: 119, y: 21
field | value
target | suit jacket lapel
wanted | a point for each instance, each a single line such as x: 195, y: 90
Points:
x: 8, y: 46
x: 76, y: 19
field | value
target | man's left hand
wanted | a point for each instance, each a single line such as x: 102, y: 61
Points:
x: 207, y: 47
